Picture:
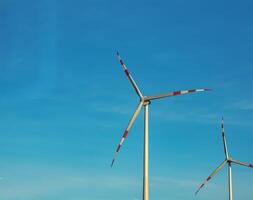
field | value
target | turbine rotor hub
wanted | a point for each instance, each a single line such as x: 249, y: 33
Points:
x: 146, y: 102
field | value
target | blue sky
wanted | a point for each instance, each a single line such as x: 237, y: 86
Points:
x: 65, y: 100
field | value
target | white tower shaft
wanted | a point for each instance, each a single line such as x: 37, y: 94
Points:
x: 230, y: 181
x: 145, y: 155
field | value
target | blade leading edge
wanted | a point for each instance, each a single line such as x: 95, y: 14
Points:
x: 242, y: 163
x: 127, y: 130
x: 170, y: 94
x: 224, y: 139
x: 129, y: 76
x: 209, y: 177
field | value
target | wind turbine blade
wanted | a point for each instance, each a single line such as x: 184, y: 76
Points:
x: 242, y: 163
x: 170, y: 94
x: 127, y: 130
x: 224, y: 139
x: 129, y: 76
x: 209, y: 177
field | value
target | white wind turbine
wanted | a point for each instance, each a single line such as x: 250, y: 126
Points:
x: 144, y: 101
x: 228, y: 160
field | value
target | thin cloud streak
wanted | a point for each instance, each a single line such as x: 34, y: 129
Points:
x: 244, y: 105
x: 202, y: 117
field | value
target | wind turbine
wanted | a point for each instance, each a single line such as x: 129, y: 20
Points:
x: 228, y: 160
x: 144, y: 101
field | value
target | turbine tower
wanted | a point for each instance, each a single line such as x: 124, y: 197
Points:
x: 228, y: 160
x: 144, y: 102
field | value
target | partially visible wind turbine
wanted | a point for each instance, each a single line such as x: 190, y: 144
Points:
x: 228, y: 160
x: 144, y: 101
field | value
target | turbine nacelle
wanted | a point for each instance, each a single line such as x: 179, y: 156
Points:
x: 146, y: 102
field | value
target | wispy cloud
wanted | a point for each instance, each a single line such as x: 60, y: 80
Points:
x: 48, y: 180
x: 57, y: 183
x: 206, y: 116
x: 116, y: 108
x: 44, y: 180
x: 52, y: 185
x: 159, y: 181
x: 193, y: 116
x: 246, y: 105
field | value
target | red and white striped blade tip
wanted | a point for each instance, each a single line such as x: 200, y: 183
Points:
x: 119, y: 146
x: 189, y: 91
x: 207, y: 89
x: 192, y: 90
x: 199, y: 189
x: 115, y: 155
x: 196, y: 192
x: 112, y: 162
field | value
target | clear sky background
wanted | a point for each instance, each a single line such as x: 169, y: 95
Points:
x: 65, y: 100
